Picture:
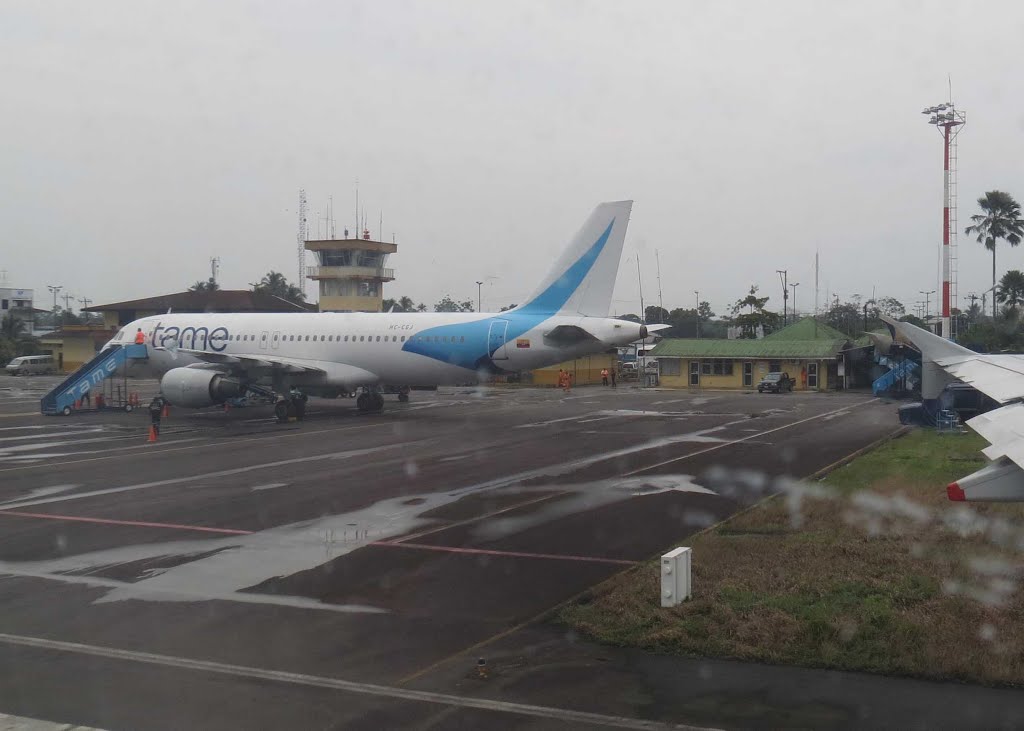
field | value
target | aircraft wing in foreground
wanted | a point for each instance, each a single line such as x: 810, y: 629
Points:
x: 1001, y: 377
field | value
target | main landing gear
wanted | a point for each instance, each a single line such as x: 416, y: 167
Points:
x: 370, y: 401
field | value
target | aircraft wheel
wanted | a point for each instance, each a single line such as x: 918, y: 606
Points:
x: 403, y: 397
x: 378, y: 402
x: 363, y: 402
x: 281, y: 412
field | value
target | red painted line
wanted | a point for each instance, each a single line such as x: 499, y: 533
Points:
x: 513, y: 554
x: 137, y: 523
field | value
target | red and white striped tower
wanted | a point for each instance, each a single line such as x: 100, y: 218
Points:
x: 949, y: 119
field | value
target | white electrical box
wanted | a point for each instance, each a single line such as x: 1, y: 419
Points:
x: 675, y: 577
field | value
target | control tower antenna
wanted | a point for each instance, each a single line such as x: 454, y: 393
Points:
x: 214, y: 268
x: 301, y: 240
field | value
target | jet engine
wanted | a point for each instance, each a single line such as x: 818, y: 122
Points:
x: 195, y: 387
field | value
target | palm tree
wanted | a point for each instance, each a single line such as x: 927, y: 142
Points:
x: 1011, y: 290
x: 275, y: 283
x: 405, y: 304
x: 210, y: 285
x: 1001, y: 220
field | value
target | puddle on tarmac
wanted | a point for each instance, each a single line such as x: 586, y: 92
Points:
x: 222, y: 568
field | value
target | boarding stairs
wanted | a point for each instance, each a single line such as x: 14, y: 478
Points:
x: 900, y: 372
x: 107, y: 363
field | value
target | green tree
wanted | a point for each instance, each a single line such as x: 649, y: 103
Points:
x: 447, y: 304
x: 655, y: 315
x: 1010, y: 291
x: 891, y: 307
x: 210, y: 285
x: 1000, y: 220
x: 755, y: 317
x: 275, y: 283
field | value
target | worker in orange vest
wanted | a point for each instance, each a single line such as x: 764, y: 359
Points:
x: 140, y: 337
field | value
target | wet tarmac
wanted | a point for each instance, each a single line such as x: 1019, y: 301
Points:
x: 349, y: 571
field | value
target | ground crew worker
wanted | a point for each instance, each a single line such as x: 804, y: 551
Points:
x: 140, y: 337
x: 299, y: 403
x: 604, y: 376
x: 614, y: 370
x: 156, y: 409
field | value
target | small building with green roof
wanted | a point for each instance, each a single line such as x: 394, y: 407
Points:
x: 812, y: 353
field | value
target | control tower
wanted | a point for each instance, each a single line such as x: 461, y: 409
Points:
x: 351, y: 273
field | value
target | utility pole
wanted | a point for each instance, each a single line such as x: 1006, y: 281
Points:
x: 478, y: 296
x: 783, y: 273
x: 794, y: 286
x: 67, y: 297
x: 696, y: 312
x: 85, y: 302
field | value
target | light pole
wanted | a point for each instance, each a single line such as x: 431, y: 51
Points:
x: 55, y: 288
x: 696, y: 312
x: 478, y: 295
x: 949, y: 120
x: 785, y: 292
x: 927, y: 294
x: 794, y: 286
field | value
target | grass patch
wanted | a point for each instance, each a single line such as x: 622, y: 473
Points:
x: 842, y: 590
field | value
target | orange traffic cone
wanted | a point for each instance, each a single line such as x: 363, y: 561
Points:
x: 166, y: 412
x: 78, y: 404
x: 152, y: 433
x: 227, y: 406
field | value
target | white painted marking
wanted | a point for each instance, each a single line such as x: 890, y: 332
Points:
x: 747, y: 438
x: 205, y: 476
x: 51, y: 490
x: 269, y: 486
x: 349, y: 686
x: 22, y: 723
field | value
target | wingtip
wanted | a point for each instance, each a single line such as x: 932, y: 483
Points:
x: 955, y: 493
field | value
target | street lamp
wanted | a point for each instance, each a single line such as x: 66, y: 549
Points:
x: 927, y: 294
x: 794, y: 286
x: 478, y: 295
x: 55, y: 288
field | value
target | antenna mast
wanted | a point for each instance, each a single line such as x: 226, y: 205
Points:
x: 661, y: 303
x: 300, y: 241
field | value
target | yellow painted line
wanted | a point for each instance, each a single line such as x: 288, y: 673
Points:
x: 27, y: 413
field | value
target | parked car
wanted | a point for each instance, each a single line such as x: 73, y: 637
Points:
x: 775, y: 383
x: 31, y: 365
x: 628, y: 371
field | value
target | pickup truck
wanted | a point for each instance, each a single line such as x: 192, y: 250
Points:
x: 775, y: 383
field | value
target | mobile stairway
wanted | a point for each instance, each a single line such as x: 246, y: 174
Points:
x: 107, y: 363
x: 901, y: 373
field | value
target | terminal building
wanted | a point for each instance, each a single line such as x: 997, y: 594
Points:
x: 351, y: 273
x: 816, y: 356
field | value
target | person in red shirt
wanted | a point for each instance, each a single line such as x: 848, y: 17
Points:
x: 140, y: 337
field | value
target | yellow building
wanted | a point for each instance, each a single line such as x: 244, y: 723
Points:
x: 351, y: 273
x: 75, y: 345
x: 813, y: 354
x: 584, y: 371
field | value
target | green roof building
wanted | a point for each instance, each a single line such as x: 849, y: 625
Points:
x: 812, y: 353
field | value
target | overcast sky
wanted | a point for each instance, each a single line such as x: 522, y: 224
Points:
x: 138, y: 139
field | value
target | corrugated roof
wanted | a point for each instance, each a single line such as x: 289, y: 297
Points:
x: 763, y: 348
x: 220, y: 300
x: 807, y: 329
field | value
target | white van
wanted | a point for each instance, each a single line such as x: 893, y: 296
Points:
x: 32, y: 365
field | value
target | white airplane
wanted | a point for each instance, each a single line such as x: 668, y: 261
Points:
x: 1001, y: 377
x: 206, y: 359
